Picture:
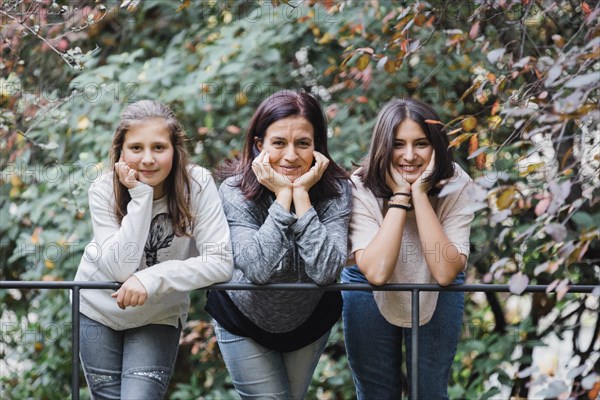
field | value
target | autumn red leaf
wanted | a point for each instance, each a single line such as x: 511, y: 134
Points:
x: 495, y: 107
x: 480, y: 161
x: 473, y: 144
x: 586, y: 8
x: 404, y: 45
x: 459, y: 139
x: 419, y: 20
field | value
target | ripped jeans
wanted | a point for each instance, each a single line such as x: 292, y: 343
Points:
x: 130, y: 364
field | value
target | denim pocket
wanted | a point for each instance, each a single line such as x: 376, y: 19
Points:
x: 224, y: 336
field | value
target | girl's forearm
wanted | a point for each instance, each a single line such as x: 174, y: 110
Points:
x: 378, y: 260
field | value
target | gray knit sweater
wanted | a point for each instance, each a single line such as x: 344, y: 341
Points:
x: 272, y: 245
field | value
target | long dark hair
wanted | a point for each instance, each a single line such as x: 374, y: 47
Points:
x: 379, y: 159
x: 177, y: 185
x: 283, y: 104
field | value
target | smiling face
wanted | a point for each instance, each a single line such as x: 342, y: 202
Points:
x: 290, y: 144
x: 412, y: 150
x: 147, y: 148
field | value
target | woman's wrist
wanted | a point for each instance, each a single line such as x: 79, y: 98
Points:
x: 402, y: 189
x: 300, y: 194
x: 401, y: 200
x: 419, y: 196
x: 284, y: 197
x: 301, y: 201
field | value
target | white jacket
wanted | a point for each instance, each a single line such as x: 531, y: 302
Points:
x: 144, y: 245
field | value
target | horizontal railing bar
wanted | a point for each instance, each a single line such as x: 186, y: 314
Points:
x: 392, y: 287
x: 76, y: 286
x: 58, y: 285
x: 304, y: 286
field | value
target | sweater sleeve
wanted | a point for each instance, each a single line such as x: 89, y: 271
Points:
x: 322, y: 240
x: 118, y: 249
x: 258, y: 247
x: 214, y: 263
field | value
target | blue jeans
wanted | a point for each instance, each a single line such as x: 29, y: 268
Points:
x: 130, y: 364
x: 261, y: 373
x: 374, y: 346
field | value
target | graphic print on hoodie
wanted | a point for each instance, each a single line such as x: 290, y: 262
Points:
x: 160, y: 236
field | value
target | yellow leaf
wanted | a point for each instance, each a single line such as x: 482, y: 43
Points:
x: 390, y: 66
x: 241, y: 99
x: 363, y: 62
x: 35, y: 236
x: 345, y: 61
x: 326, y: 38
x: 531, y: 168
x: 15, y: 180
x: 49, y: 264
x: 470, y: 90
x: 494, y: 122
x: 14, y: 192
x: 83, y: 123
x: 459, y: 139
x: 506, y: 198
x: 186, y: 4
x: 469, y: 123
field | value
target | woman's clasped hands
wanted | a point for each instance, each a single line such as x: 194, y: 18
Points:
x: 398, y: 184
x: 278, y: 183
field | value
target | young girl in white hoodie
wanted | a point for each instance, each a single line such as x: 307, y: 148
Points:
x: 159, y: 228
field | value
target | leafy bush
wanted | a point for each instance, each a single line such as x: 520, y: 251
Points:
x: 516, y: 84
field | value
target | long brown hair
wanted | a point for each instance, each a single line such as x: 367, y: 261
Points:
x: 280, y: 105
x: 177, y: 185
x: 379, y: 158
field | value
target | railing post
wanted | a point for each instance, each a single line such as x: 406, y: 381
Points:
x: 414, y: 367
x: 75, y: 343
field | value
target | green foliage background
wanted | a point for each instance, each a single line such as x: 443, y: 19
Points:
x: 516, y: 83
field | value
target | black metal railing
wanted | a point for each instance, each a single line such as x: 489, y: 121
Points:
x: 415, y: 289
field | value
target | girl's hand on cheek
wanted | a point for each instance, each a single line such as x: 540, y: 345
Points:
x: 128, y: 176
x: 422, y: 185
x: 396, y: 182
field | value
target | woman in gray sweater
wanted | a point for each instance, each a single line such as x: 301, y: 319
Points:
x: 288, y: 206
